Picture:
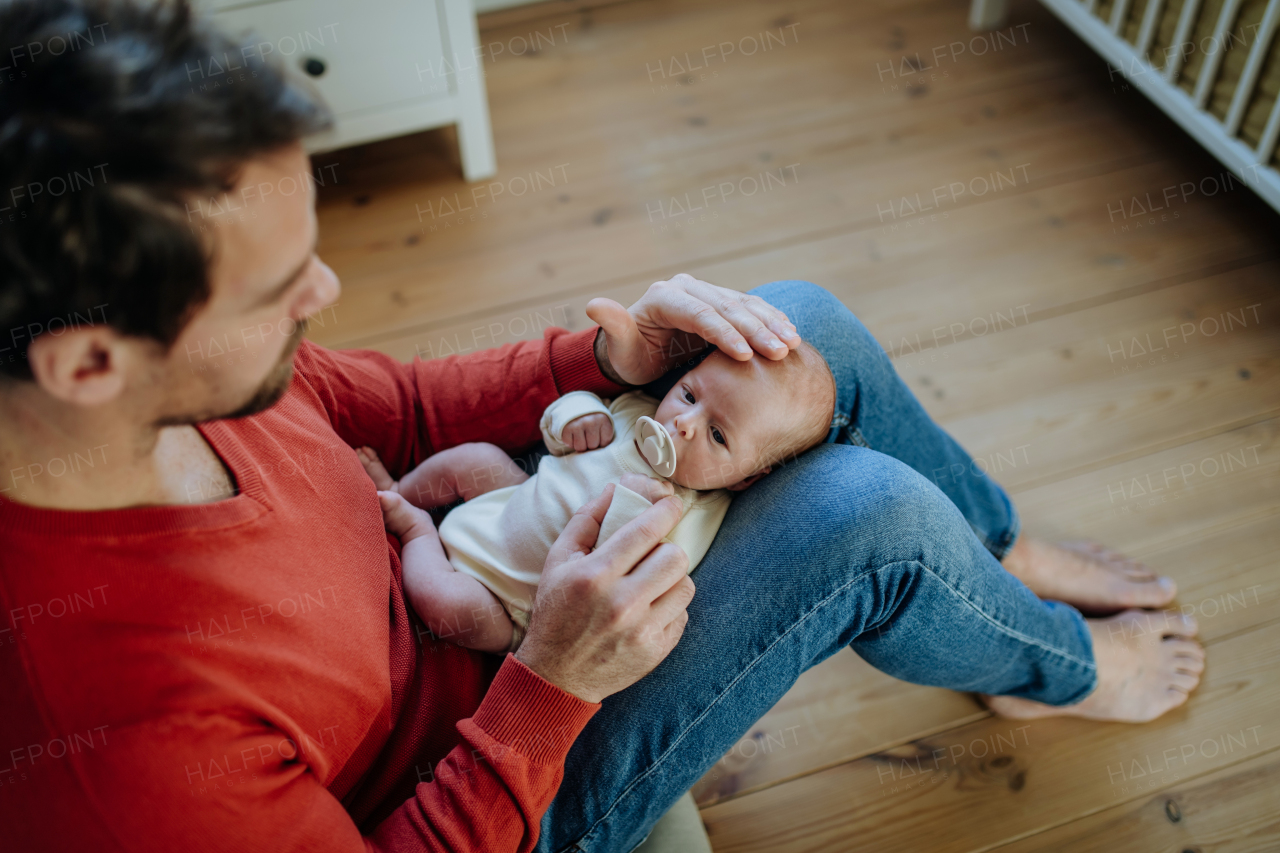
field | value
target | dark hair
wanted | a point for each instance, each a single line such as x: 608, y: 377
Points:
x: 105, y: 137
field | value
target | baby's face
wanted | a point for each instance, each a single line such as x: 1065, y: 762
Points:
x: 721, y: 415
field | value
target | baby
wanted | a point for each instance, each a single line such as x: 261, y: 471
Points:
x: 727, y: 423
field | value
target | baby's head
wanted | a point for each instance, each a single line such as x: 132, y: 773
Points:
x: 733, y: 421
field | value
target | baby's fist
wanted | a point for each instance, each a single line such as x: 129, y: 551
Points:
x: 588, y: 432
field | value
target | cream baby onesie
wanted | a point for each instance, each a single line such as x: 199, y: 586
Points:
x: 502, y: 538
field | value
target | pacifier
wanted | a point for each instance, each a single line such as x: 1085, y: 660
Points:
x: 656, y: 446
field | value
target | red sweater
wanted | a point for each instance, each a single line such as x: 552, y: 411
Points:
x: 244, y: 674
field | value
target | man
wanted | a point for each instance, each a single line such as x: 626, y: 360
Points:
x: 207, y: 645
x: 132, y: 419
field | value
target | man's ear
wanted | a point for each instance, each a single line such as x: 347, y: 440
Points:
x: 742, y: 484
x: 84, y: 367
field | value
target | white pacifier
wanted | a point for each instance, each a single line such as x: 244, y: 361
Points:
x: 656, y: 445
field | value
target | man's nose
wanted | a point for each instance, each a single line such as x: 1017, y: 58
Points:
x: 322, y: 291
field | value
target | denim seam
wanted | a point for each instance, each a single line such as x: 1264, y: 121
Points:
x: 749, y: 667
x: 1004, y: 629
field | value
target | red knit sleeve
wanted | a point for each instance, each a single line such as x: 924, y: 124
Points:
x: 211, y: 780
x: 406, y: 412
x: 490, y: 792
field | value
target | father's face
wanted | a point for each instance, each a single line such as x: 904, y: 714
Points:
x: 235, y: 357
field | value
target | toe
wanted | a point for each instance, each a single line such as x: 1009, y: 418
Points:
x: 393, y: 503
x: 1125, y: 565
x: 1132, y: 591
x: 1180, y: 624
x: 1138, y: 571
x: 1189, y: 665
x: 1150, y: 591
x: 1111, y: 555
x: 1176, y: 698
x: 1184, y: 681
x: 401, y: 517
x: 1162, y: 702
x: 1189, y: 649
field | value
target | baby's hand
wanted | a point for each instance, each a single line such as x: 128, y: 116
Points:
x: 588, y: 432
x: 648, y: 487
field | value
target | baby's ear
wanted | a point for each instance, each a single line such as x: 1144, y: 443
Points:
x: 742, y: 484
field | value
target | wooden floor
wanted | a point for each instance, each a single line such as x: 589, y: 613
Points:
x: 1030, y: 317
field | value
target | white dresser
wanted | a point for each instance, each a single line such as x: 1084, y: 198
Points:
x: 385, y: 67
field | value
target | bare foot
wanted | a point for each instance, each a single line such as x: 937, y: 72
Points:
x: 1087, y: 575
x: 376, y: 470
x: 1148, y: 664
x: 403, y: 518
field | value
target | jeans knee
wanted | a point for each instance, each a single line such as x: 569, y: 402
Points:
x: 872, y: 494
x: 795, y: 292
x: 900, y: 491
x: 825, y: 322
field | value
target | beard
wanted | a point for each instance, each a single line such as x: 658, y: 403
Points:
x: 272, y: 387
x: 267, y: 394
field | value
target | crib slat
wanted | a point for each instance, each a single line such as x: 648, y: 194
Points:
x: 1257, y: 55
x: 1186, y: 21
x: 1212, y: 61
x: 1117, y: 15
x: 1148, y: 31
x: 1090, y: 5
x: 1267, y: 145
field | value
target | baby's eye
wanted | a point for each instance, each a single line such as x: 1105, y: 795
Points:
x: 688, y: 395
x: 716, y: 434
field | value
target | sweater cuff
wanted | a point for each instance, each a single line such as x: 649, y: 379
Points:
x: 531, y: 715
x: 573, y: 363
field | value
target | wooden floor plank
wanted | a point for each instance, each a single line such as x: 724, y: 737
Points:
x: 851, y: 164
x: 839, y: 710
x: 1166, y: 497
x: 944, y: 277
x: 1235, y: 810
x: 400, y: 270
x: 1092, y: 387
x: 996, y: 780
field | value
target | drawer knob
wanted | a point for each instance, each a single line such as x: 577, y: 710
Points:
x: 313, y: 66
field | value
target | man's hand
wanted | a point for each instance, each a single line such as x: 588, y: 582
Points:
x: 676, y: 319
x: 603, y: 619
x: 650, y: 488
x: 588, y: 432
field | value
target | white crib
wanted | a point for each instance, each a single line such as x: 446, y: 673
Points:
x: 1212, y: 65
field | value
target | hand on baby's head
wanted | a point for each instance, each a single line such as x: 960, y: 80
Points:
x: 733, y: 421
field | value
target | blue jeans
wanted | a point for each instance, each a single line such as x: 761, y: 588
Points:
x: 886, y: 539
